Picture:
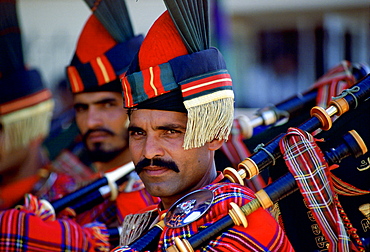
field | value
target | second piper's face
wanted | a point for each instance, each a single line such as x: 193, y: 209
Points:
x: 168, y: 171
x: 102, y: 121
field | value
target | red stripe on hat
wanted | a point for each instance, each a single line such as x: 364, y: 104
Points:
x: 75, y: 79
x: 25, y: 102
x: 127, y: 93
x: 205, y: 84
x: 103, y: 70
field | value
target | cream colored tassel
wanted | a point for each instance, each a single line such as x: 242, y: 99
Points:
x: 209, y: 117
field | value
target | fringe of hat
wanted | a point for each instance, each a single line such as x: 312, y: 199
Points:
x: 219, y: 123
x: 36, y: 121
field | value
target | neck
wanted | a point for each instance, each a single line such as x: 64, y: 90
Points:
x: 207, y: 179
x: 123, y: 158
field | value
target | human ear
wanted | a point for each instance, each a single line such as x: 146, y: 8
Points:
x: 215, y: 144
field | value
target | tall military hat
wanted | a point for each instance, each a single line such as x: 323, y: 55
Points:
x: 25, y: 103
x: 177, y: 70
x: 105, y: 48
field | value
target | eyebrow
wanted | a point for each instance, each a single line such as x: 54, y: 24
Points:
x: 162, y: 127
x: 171, y: 126
x: 103, y: 101
x: 107, y: 100
x: 134, y: 128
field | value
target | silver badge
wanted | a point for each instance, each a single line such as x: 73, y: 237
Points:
x: 189, y: 208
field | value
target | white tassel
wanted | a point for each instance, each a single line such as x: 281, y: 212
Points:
x: 208, y: 121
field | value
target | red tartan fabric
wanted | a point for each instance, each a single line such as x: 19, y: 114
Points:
x: 333, y: 83
x: 262, y: 234
x: 14, y: 192
x: 307, y: 164
x: 23, y: 230
x: 132, y: 202
x: 17, y: 234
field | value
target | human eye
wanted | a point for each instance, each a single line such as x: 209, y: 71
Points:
x: 136, y: 132
x: 171, y: 132
x: 79, y: 108
x: 110, y: 104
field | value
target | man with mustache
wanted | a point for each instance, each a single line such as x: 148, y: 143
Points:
x: 181, y: 111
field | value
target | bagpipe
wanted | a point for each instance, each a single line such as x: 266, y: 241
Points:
x: 352, y: 145
x: 320, y: 119
x: 249, y: 131
x: 94, y: 194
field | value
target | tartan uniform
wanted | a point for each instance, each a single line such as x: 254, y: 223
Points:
x: 28, y: 230
x: 112, y: 213
x: 23, y: 230
x: 262, y: 234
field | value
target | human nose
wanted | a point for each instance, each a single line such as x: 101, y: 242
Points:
x: 94, y: 119
x: 152, y: 148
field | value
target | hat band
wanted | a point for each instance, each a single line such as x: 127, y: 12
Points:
x: 105, y: 68
x: 25, y: 102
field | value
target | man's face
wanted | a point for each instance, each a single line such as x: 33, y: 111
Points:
x: 102, y: 121
x: 167, y: 170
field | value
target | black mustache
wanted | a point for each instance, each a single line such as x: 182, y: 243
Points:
x: 85, y: 136
x: 156, y: 162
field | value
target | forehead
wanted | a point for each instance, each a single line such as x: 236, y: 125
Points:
x: 141, y: 117
x: 92, y: 97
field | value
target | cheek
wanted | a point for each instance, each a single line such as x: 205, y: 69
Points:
x: 135, y: 150
x: 117, y: 121
x: 81, y: 121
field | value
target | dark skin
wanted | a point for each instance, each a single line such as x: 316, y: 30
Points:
x: 159, y: 135
x: 101, y: 119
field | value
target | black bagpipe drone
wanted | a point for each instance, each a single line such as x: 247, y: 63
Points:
x: 249, y: 131
x: 94, y: 194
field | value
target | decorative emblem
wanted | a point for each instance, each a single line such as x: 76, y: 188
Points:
x: 189, y: 208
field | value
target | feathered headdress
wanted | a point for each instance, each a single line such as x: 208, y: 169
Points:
x: 25, y: 104
x: 105, y: 48
x: 177, y: 70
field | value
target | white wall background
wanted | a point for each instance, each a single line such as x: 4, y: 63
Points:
x: 50, y: 30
